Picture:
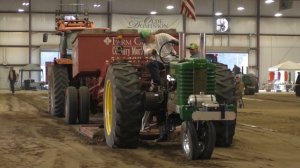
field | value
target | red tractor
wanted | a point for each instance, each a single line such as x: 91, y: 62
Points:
x: 68, y: 70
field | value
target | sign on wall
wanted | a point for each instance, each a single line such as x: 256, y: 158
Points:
x: 222, y: 25
x: 150, y: 22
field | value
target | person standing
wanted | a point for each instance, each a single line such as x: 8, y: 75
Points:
x: 239, y: 89
x: 297, y: 86
x: 236, y: 70
x: 12, y: 77
x: 193, y: 48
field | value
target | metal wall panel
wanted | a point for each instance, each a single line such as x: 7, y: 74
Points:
x: 201, y: 25
x: 14, y: 21
x: 43, y: 22
x: 280, y: 26
x: 99, y: 20
x: 17, y: 55
x: 13, y: 38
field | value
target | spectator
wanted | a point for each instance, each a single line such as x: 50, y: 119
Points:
x: 236, y: 70
x: 12, y: 77
x: 239, y: 89
x: 297, y: 87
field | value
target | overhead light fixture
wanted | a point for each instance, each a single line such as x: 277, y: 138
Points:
x: 278, y: 14
x: 20, y: 10
x: 25, y: 3
x: 269, y: 1
x: 70, y: 17
x: 218, y: 13
x: 153, y: 12
x: 96, y: 5
x: 169, y: 7
x: 240, y: 8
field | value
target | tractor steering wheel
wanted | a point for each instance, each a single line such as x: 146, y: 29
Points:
x: 172, y: 42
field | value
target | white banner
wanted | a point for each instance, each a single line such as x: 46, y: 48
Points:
x: 149, y: 22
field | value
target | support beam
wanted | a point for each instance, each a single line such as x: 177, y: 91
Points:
x: 109, y: 13
x: 258, y: 37
x: 30, y: 33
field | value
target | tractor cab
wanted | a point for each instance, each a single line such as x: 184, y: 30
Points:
x: 68, y: 26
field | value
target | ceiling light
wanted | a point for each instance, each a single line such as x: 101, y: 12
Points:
x: 25, y: 3
x: 96, y: 5
x: 153, y: 12
x: 278, y: 14
x: 269, y: 1
x: 240, y: 8
x: 170, y: 7
x: 20, y: 10
x: 218, y: 13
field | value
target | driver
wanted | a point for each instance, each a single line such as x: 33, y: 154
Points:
x: 151, y: 46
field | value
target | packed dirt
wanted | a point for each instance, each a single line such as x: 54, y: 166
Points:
x: 267, y: 136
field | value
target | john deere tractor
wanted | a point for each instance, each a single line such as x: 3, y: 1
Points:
x: 197, y: 94
x: 251, y: 84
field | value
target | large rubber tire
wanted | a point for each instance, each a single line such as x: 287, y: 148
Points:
x: 84, y: 105
x: 225, y: 93
x: 123, y: 106
x: 256, y: 88
x: 206, y: 138
x: 189, y: 140
x: 225, y: 86
x: 297, y: 90
x: 198, y: 143
x: 58, y: 82
x: 249, y: 91
x: 71, y: 106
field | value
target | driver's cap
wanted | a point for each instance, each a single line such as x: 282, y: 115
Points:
x: 192, y: 46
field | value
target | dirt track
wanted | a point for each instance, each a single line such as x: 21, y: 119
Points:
x: 268, y: 135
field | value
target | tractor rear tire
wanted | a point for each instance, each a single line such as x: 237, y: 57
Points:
x: 249, y: 91
x: 123, y: 106
x: 71, y: 107
x: 58, y: 81
x: 198, y: 143
x: 225, y: 87
x: 84, y: 105
x: 225, y: 93
x: 225, y: 131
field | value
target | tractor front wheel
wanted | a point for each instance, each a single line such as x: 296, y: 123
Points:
x: 58, y: 82
x: 123, y: 106
x: 198, y: 139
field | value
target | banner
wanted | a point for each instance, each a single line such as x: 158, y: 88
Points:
x: 149, y: 22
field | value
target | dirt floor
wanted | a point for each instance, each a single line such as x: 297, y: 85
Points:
x: 267, y: 135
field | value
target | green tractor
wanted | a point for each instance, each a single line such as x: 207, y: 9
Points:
x: 251, y: 84
x: 196, y: 94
